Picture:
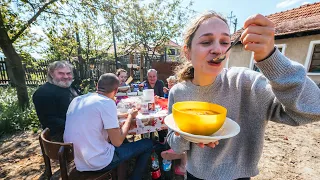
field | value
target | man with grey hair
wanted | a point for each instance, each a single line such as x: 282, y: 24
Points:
x: 152, y: 82
x: 52, y: 99
x: 92, y: 126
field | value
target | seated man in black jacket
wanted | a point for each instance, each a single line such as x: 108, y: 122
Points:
x: 153, y: 82
x: 52, y: 99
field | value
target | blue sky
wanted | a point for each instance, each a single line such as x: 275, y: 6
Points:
x: 242, y: 9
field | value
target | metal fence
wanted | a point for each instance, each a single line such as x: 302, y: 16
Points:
x: 34, y: 75
x: 4, y: 78
x: 37, y: 72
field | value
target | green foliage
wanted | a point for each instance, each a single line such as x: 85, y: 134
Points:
x: 88, y: 85
x: 62, y: 45
x: 12, y: 118
x: 149, y: 27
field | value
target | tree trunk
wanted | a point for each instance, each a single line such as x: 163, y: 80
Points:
x: 14, y: 67
x: 13, y: 60
x: 80, y: 59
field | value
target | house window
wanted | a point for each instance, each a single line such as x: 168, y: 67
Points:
x: 172, y: 52
x: 281, y: 48
x: 312, y: 63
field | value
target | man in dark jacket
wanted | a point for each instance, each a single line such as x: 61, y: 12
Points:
x: 52, y: 99
x: 153, y: 82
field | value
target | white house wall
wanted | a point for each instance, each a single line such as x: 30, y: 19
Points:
x: 296, y: 49
x: 239, y: 57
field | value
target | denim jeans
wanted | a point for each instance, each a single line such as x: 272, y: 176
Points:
x: 141, y: 149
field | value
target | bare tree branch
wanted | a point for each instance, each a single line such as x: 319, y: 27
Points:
x: 30, y: 21
x: 32, y: 6
x: 58, y: 14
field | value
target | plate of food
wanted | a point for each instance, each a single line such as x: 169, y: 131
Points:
x: 229, y: 129
x: 201, y: 121
x: 123, y: 88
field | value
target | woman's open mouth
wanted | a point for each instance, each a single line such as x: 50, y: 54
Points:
x: 212, y: 63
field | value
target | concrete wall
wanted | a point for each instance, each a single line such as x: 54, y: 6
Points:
x: 239, y: 57
x: 296, y: 49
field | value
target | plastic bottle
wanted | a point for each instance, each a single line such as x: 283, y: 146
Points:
x: 155, y: 169
x: 166, y: 165
x: 145, y: 86
x: 135, y: 87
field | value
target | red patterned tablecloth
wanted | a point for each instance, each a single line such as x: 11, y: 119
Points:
x: 163, y: 103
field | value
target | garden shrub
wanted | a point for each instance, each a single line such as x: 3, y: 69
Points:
x: 12, y: 118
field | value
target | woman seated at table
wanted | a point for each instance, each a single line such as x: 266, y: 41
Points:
x: 123, y: 75
x: 123, y: 87
x: 172, y: 80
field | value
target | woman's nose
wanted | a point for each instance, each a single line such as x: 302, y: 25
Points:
x: 215, y: 48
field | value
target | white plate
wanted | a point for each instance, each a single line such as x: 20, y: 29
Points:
x: 124, y: 87
x: 229, y: 129
x: 121, y: 94
x: 127, y: 94
x: 132, y: 93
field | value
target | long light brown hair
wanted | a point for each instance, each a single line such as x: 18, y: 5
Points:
x: 185, y: 71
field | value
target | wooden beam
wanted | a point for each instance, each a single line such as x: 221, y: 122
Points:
x: 141, y: 67
x: 131, y: 62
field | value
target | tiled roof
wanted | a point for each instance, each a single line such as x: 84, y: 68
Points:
x: 301, y: 19
x: 173, y: 44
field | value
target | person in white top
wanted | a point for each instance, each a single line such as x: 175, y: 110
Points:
x: 92, y: 122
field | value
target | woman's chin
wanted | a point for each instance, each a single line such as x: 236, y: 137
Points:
x: 212, y: 71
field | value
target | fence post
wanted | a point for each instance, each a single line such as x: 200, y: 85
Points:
x: 131, y: 62
x: 141, y: 67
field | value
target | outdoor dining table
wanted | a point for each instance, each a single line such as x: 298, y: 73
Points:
x: 151, y: 122
x: 146, y: 123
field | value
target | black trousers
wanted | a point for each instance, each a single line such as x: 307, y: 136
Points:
x: 162, y: 134
x: 191, y: 177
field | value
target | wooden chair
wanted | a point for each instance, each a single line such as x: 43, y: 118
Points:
x: 65, y: 154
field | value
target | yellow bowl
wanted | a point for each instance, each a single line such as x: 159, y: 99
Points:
x: 193, y: 123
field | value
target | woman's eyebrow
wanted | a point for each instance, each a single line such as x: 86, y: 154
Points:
x: 210, y: 34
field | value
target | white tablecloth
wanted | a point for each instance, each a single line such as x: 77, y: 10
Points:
x: 146, y: 123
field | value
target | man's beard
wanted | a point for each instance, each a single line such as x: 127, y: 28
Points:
x: 63, y: 84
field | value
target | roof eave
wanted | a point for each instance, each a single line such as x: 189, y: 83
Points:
x: 297, y: 34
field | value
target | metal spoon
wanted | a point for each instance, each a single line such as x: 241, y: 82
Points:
x: 222, y: 57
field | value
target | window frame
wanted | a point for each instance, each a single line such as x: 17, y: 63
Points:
x: 309, y: 57
x: 283, y: 46
x: 172, y: 50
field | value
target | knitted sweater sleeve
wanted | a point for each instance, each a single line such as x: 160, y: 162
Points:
x: 295, y: 97
x: 177, y: 143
